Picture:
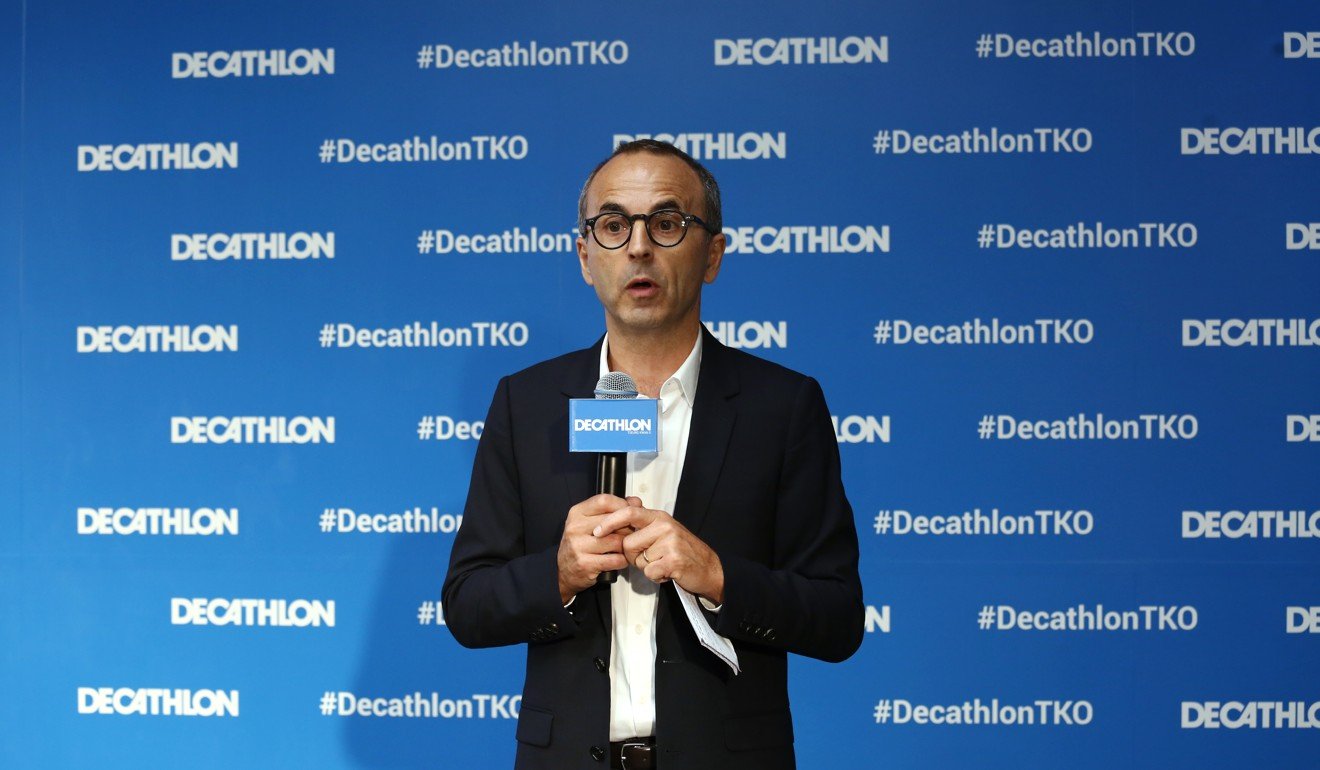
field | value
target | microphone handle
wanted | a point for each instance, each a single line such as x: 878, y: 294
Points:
x: 611, y: 479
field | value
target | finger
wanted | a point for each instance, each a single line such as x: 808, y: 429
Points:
x: 624, y: 521
x: 657, y: 571
x: 591, y: 544
x: 642, y: 557
x: 635, y: 501
x: 624, y: 517
x: 598, y: 505
x: 593, y: 564
x: 642, y: 539
x: 584, y: 525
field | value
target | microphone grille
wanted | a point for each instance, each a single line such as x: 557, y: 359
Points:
x: 616, y: 385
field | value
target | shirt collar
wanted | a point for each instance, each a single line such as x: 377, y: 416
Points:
x: 685, y: 379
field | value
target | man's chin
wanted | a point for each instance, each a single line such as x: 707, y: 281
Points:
x: 642, y: 320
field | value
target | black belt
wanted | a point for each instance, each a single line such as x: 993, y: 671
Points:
x: 633, y: 754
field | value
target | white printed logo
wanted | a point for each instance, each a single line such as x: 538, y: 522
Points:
x: 750, y: 334
x: 247, y: 64
x: 807, y: 239
x: 1303, y: 427
x: 801, y: 50
x: 1301, y: 45
x: 749, y: 145
x: 861, y: 429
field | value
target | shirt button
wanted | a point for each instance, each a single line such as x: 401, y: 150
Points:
x: 637, y: 628
x: 643, y: 488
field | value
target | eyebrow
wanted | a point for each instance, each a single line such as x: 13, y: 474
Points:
x: 668, y: 203
x: 611, y: 206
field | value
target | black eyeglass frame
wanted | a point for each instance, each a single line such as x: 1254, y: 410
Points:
x: 590, y: 224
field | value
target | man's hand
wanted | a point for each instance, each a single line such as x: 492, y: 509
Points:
x: 582, y: 555
x: 663, y: 549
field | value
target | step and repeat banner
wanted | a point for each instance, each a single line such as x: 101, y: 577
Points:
x: 1056, y: 266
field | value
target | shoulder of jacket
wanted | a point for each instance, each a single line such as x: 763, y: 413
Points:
x: 553, y: 368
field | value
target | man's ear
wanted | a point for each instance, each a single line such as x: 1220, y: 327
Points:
x: 582, y: 260
x: 714, y: 257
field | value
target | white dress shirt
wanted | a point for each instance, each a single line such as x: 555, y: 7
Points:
x: 633, y: 597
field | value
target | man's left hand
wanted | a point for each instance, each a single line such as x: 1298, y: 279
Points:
x: 665, y: 550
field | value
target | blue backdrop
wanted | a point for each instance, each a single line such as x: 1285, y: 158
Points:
x: 1129, y: 188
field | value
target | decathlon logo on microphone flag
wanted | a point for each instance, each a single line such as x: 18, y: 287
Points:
x: 613, y: 425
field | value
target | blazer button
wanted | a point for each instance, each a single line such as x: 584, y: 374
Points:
x: 600, y: 665
x: 597, y: 753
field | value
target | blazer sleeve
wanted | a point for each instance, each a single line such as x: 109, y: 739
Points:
x: 810, y: 600
x: 496, y: 593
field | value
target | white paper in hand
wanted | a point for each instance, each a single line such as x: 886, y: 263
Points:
x: 722, y: 647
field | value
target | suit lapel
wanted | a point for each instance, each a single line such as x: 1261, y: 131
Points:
x: 713, y: 416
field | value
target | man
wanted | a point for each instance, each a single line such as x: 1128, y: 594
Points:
x: 748, y: 467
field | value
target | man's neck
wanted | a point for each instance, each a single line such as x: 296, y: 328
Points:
x: 651, y: 358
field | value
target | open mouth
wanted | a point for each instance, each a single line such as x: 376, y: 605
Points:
x: 642, y: 288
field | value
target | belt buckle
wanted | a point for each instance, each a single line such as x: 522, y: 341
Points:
x: 623, y: 754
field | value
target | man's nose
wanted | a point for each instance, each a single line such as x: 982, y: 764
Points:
x: 639, y: 241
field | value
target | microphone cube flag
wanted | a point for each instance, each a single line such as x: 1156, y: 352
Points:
x: 609, y: 425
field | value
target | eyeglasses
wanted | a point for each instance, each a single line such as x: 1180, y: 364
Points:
x: 666, y: 227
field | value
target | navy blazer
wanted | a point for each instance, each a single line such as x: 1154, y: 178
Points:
x: 760, y: 485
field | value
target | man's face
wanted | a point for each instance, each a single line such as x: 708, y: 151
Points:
x: 644, y: 287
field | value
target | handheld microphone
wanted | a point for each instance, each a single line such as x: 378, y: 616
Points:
x: 612, y: 467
